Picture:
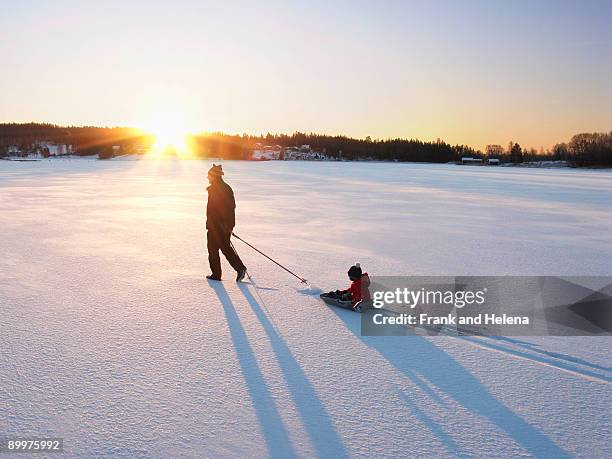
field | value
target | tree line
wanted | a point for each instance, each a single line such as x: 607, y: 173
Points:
x: 85, y: 140
x: 586, y: 149
x: 340, y: 147
x: 583, y: 150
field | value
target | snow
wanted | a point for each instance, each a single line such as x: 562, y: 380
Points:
x: 112, y: 339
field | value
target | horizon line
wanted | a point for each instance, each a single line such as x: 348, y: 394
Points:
x: 250, y: 134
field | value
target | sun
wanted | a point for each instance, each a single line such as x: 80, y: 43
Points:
x: 171, y: 132
x: 170, y: 136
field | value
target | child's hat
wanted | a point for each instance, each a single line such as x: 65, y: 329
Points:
x: 355, y: 271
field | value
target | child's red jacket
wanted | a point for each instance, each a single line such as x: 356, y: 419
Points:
x: 359, y: 289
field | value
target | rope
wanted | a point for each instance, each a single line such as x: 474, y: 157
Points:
x: 304, y: 281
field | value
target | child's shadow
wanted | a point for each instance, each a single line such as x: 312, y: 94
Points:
x: 415, y: 355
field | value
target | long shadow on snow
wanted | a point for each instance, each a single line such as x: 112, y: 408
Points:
x: 312, y: 412
x: 433, y: 426
x: 414, y: 354
x: 277, y: 438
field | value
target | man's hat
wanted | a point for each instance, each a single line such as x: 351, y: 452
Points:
x: 216, y: 170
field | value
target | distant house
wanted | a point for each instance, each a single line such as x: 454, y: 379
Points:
x: 305, y: 153
x: 470, y: 160
x: 265, y: 153
x: 54, y: 149
x: 291, y: 153
x: 493, y: 162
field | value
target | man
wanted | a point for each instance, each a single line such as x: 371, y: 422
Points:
x: 220, y: 221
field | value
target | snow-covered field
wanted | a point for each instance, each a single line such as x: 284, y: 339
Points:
x: 111, y: 338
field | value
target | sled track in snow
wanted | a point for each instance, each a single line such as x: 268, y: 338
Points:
x: 567, y: 363
x: 558, y: 361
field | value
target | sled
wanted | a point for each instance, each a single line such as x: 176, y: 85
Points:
x: 341, y: 303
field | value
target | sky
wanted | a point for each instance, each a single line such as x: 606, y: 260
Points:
x: 473, y: 72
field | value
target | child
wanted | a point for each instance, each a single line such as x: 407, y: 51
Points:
x: 358, y: 291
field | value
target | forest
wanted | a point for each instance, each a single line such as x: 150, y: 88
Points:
x: 583, y: 150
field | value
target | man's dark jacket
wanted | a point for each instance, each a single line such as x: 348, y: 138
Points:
x: 221, y: 207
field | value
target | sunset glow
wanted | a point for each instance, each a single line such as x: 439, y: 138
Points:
x: 169, y: 128
x: 487, y: 73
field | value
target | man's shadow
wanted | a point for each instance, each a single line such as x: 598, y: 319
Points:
x: 315, y: 418
x: 419, y: 359
x: 274, y: 431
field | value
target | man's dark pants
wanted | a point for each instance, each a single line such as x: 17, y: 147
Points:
x: 220, y: 240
